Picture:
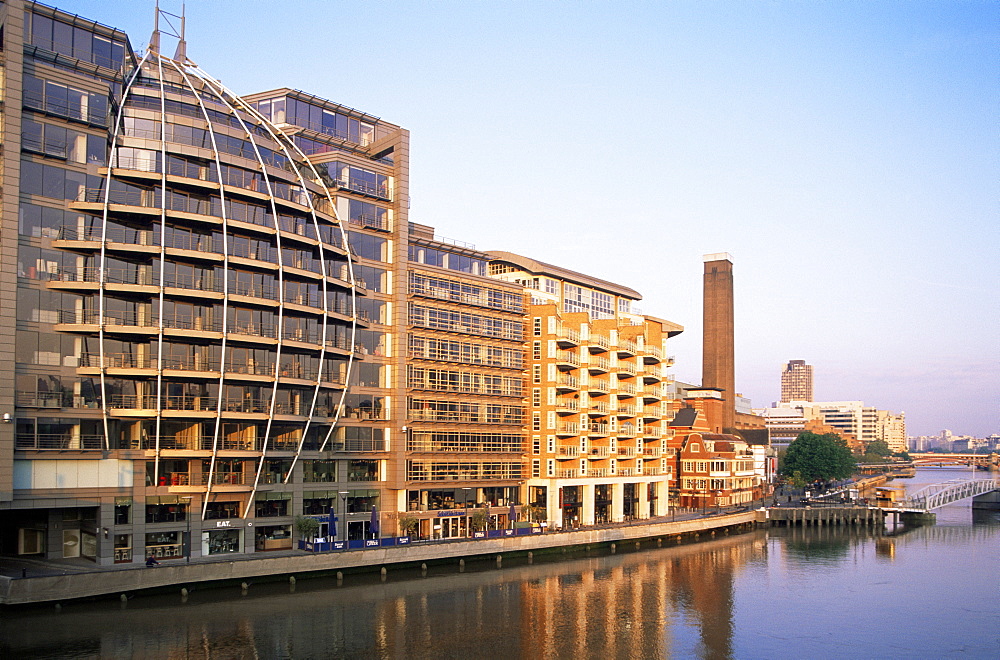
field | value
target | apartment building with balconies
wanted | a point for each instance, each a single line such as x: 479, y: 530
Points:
x: 596, y: 394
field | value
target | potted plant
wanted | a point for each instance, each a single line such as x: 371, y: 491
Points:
x: 307, y: 528
x: 407, y: 525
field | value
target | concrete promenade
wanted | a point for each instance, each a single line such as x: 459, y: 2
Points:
x: 78, y: 581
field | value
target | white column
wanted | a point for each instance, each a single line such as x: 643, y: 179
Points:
x: 617, y: 502
x: 587, y: 510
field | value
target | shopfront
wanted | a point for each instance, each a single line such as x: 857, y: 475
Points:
x: 571, y: 505
x: 630, y: 501
x: 223, y: 540
x: 123, y: 548
x: 164, y: 545
x: 273, y: 537
x: 602, y: 503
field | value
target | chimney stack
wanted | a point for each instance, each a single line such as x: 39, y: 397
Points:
x: 718, y: 367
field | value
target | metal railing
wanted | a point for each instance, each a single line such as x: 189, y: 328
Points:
x: 56, y: 441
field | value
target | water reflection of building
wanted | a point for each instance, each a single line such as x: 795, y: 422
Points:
x: 669, y: 602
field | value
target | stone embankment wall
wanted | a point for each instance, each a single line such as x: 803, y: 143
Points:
x: 49, y: 588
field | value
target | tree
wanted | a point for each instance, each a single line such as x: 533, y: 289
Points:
x: 816, y: 456
x: 408, y: 525
x: 878, y: 448
x: 306, y: 527
x: 479, y: 519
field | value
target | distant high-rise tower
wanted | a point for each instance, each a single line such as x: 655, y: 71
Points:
x: 718, y: 354
x: 797, y: 381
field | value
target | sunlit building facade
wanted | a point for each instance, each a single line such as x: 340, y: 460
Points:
x: 797, y: 381
x: 597, y: 397
x: 189, y: 312
x: 462, y: 380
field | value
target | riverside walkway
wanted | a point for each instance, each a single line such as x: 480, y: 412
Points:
x: 25, y: 582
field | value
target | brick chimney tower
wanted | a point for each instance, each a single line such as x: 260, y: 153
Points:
x: 718, y: 362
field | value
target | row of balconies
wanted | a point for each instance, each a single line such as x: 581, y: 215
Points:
x: 597, y: 453
x: 571, y: 338
x: 569, y: 383
x: 570, y: 361
x: 576, y: 473
x: 565, y: 406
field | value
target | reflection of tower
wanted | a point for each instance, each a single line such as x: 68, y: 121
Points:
x: 718, y: 354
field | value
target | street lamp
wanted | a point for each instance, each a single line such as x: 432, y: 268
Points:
x: 343, y: 524
x: 187, y: 517
x: 468, y: 532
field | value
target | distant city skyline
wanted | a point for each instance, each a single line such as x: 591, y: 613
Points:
x: 845, y: 154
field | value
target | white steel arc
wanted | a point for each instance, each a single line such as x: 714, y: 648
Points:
x: 184, y: 78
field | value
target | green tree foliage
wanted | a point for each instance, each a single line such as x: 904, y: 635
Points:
x: 878, y: 448
x: 816, y: 456
x: 408, y: 525
x: 306, y: 527
x: 479, y: 519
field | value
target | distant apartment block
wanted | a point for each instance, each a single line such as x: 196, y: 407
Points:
x: 797, y: 382
x: 853, y: 420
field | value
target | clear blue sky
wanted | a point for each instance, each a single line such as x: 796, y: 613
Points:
x: 845, y: 154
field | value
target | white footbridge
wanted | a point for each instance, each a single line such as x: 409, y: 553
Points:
x: 937, y: 495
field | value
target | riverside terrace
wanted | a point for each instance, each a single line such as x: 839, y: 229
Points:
x: 25, y: 582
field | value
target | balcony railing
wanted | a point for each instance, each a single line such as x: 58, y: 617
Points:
x: 370, y: 222
x: 568, y: 382
x: 568, y: 336
x: 567, y: 428
x: 567, y: 474
x: 599, y: 364
x: 568, y: 357
x: 567, y: 405
x: 626, y: 367
x: 55, y: 441
x: 626, y: 347
x: 599, y: 472
x: 599, y: 341
x: 568, y: 451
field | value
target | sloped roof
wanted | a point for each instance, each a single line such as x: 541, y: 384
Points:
x: 685, y: 417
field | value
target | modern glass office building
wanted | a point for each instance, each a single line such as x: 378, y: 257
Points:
x: 188, y: 315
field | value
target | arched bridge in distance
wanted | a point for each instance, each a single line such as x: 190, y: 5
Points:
x: 979, y: 460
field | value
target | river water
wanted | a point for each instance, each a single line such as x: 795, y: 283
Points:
x: 929, y: 592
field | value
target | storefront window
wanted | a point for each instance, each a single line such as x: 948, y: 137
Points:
x: 164, y: 545
x: 223, y: 541
x: 275, y: 537
x: 123, y: 548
